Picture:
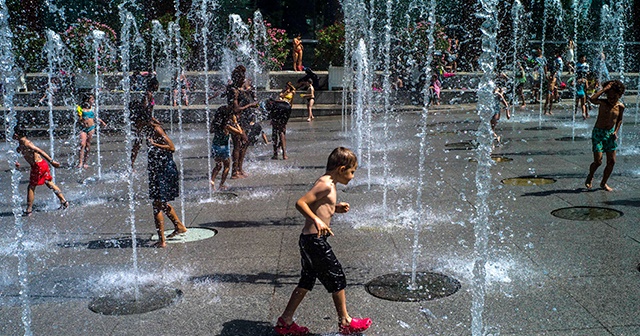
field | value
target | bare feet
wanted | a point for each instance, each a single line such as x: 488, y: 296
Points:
x: 274, y: 157
x: 309, y: 119
x: 159, y: 244
x: 180, y: 229
x: 605, y: 187
x: 64, y: 205
x: 235, y: 176
x: 223, y: 188
x: 284, y: 157
x: 588, y: 183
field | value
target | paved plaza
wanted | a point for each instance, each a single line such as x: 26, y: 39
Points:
x: 545, y: 275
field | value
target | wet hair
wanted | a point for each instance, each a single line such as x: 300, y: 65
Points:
x: 221, y: 118
x: 19, y: 131
x: 153, y: 84
x: 616, y: 86
x: 581, y: 56
x: 238, y: 73
x: 85, y: 100
x: 341, y: 156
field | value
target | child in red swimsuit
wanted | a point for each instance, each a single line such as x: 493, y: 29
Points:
x: 40, y: 173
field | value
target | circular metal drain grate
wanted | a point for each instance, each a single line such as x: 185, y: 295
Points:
x: 149, y: 298
x: 578, y: 138
x: 540, y: 128
x: 528, y: 181
x: 586, y: 213
x: 364, y: 188
x: 192, y: 234
x: 429, y: 286
x: 463, y: 145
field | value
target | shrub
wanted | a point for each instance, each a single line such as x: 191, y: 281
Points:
x: 330, y: 48
x: 79, y: 40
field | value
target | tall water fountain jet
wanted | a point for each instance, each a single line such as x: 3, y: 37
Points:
x: 174, y: 33
x: 8, y: 76
x: 98, y: 36
x: 260, y: 49
x: 388, y: 108
x: 163, y: 65
x: 241, y: 49
x: 363, y: 107
x: 55, y: 51
x: 481, y: 227
x: 516, y: 19
x: 549, y: 6
x: 129, y: 25
x: 204, y: 16
x: 417, y: 225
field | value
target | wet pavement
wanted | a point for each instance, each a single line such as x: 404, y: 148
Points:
x: 545, y: 274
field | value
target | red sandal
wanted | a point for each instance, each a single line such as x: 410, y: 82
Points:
x: 356, y: 326
x: 290, y: 330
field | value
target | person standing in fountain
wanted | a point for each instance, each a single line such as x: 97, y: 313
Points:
x: 539, y: 73
x: 40, y: 173
x: 581, y: 96
x: 237, y: 100
x: 279, y: 113
x: 297, y: 53
x: 318, y: 260
x: 142, y: 107
x: 552, y: 86
x: 163, y: 174
x: 310, y: 97
x: 87, y: 121
x: 605, y: 131
x: 224, y: 124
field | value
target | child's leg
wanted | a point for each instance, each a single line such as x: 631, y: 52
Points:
x: 58, y: 192
x: 215, y: 171
x: 83, y: 145
x: 173, y: 217
x: 283, y: 144
x: 31, y: 195
x: 159, y: 221
x: 235, y: 155
x: 585, y: 113
x: 294, y: 301
x: 611, y: 161
x: 597, y: 162
x: 340, y: 302
x: 243, y: 153
x: 225, y: 172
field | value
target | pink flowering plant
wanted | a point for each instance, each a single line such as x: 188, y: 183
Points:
x: 79, y: 39
x: 330, y: 48
x: 274, y: 51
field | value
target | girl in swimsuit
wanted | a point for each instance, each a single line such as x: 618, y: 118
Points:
x: 297, y: 53
x: 310, y: 96
x: 86, y: 118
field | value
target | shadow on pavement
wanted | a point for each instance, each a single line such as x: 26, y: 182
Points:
x: 630, y: 202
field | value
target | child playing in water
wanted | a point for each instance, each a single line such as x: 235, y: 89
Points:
x: 310, y: 96
x: 551, y: 90
x: 581, y: 96
x: 279, y: 113
x: 40, y: 173
x: 224, y: 123
x: 605, y: 131
x: 318, y: 261
x: 434, y: 90
x: 163, y: 174
x: 500, y: 103
x: 87, y: 120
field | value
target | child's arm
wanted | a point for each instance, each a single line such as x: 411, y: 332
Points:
x: 169, y: 144
x: 594, y: 99
x: 618, y: 122
x: 235, y: 130
x: 42, y: 153
x: 319, y: 191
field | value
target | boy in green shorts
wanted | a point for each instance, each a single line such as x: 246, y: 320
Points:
x: 605, y: 131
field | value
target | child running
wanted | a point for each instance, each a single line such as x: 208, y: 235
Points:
x: 40, y: 173
x: 605, y: 131
x: 318, y: 261
x: 224, y: 123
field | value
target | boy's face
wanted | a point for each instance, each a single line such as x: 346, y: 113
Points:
x: 346, y: 174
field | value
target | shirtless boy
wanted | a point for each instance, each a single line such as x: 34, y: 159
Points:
x: 318, y: 261
x: 605, y: 131
x: 40, y: 173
